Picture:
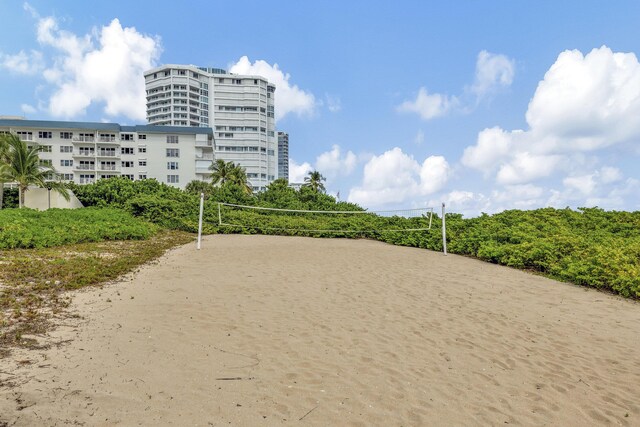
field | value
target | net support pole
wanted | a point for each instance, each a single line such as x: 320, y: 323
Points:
x: 200, y: 220
x: 444, y: 231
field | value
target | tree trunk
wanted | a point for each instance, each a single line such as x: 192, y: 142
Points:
x: 21, y: 191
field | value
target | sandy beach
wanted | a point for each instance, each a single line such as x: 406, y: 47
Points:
x: 264, y: 330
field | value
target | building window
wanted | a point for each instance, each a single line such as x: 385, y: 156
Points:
x: 126, y: 137
x: 66, y: 135
x: 172, y: 139
x: 66, y: 163
x: 182, y: 73
x: 173, y: 179
x: 25, y: 136
x: 127, y: 150
x: 44, y: 134
x: 66, y: 148
x: 46, y: 162
x: 129, y: 177
x: 84, y: 151
x: 173, y: 152
x: 142, y: 163
x: 127, y: 164
x: 87, y: 179
x: 142, y: 150
x: 172, y: 166
x: 86, y: 137
x: 45, y: 148
x: 142, y: 176
x: 142, y: 136
x: 67, y: 176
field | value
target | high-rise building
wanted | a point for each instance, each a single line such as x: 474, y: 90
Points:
x: 84, y: 152
x: 283, y: 155
x: 239, y: 108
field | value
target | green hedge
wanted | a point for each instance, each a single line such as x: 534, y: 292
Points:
x: 590, y: 247
x: 27, y: 228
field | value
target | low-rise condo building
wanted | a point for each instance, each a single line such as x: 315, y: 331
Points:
x: 84, y: 152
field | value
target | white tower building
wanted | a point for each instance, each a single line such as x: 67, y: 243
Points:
x: 239, y: 108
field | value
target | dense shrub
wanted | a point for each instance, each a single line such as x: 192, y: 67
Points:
x: 590, y: 247
x: 27, y: 228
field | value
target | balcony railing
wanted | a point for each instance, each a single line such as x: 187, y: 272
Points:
x: 87, y: 180
x: 85, y: 167
x: 83, y: 139
x: 107, y: 139
x: 108, y: 168
x: 106, y: 153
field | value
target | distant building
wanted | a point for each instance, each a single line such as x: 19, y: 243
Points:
x: 283, y: 155
x: 84, y: 152
x: 240, y: 109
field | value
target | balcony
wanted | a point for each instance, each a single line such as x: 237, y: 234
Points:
x: 83, y: 139
x: 205, y: 157
x: 204, y: 143
x: 110, y: 168
x: 107, y: 154
x: 87, y: 180
x: 84, y: 167
x: 84, y: 154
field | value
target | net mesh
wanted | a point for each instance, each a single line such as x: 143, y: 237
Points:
x: 319, y: 221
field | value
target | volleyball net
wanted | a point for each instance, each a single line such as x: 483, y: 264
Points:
x: 320, y: 223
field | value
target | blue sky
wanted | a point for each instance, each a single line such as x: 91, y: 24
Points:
x: 486, y: 105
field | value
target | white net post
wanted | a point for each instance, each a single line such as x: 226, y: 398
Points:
x: 444, y: 231
x: 200, y: 220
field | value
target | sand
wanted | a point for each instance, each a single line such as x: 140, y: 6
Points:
x: 261, y: 330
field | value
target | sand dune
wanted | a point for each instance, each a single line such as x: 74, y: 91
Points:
x: 260, y: 330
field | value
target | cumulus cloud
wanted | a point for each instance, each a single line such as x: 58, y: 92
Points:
x: 102, y: 67
x: 333, y: 163
x: 584, y: 103
x: 492, y: 71
x: 22, y: 62
x: 289, y: 97
x: 297, y: 172
x: 428, y: 106
x: 395, y: 177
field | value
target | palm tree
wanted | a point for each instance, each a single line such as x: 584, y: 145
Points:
x: 221, y: 171
x: 4, y: 159
x: 314, y: 181
x: 238, y: 176
x: 24, y: 168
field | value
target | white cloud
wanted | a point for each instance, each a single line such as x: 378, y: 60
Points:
x: 289, y: 97
x: 427, y: 105
x: 395, y: 177
x: 297, y: 172
x: 419, y: 138
x: 22, y: 62
x: 492, y: 146
x: 334, y: 104
x: 525, y: 167
x: 104, y: 67
x: 584, y: 103
x: 28, y: 109
x: 492, y: 71
x: 332, y: 163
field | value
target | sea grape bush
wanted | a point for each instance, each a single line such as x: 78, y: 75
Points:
x: 588, y: 246
x: 27, y: 228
